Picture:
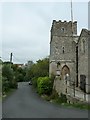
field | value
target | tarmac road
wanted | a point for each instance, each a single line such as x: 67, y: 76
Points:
x: 25, y: 103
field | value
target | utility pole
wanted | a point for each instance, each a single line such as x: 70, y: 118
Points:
x: 11, y: 57
x: 72, y: 18
x: 72, y: 37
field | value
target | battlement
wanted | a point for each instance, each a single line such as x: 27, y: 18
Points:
x: 62, y: 22
x: 64, y: 28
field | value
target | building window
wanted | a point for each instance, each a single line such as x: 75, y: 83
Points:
x: 83, y: 46
x: 62, y: 29
x: 63, y: 50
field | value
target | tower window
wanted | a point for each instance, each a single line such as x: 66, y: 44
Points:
x: 62, y: 29
x: 63, y: 50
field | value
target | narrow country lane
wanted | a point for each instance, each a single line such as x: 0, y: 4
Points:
x: 25, y: 103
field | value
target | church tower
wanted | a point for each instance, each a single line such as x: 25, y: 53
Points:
x: 63, y: 49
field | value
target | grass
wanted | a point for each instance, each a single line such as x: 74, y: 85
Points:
x: 75, y: 105
x: 81, y: 106
x: 62, y: 102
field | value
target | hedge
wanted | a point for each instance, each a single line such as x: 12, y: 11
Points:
x: 44, y: 85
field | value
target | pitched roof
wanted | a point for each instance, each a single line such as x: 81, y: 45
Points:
x: 84, y: 33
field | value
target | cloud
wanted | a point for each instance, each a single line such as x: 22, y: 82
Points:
x: 26, y: 27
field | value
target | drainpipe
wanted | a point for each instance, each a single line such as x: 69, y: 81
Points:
x: 77, y: 65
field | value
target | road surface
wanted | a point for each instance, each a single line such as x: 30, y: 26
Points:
x: 25, y: 103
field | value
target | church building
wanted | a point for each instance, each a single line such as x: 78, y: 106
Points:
x: 69, y: 57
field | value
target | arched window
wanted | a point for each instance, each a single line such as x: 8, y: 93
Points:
x: 65, y: 70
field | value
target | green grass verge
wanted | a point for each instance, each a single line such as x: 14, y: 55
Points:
x: 59, y: 102
x: 75, y: 105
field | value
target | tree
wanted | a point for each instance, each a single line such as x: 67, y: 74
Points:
x: 8, y: 78
x: 7, y: 72
x: 40, y: 69
x: 19, y: 73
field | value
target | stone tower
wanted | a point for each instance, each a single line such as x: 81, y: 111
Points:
x: 63, y: 50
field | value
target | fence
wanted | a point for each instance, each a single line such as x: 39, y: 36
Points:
x: 69, y: 88
x: 77, y: 92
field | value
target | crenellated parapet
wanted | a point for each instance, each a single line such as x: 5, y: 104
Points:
x: 63, y: 28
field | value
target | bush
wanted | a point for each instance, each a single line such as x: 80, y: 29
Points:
x: 34, y: 81
x: 44, y: 85
x: 62, y: 99
x: 54, y: 94
x: 5, y: 85
x: 13, y: 84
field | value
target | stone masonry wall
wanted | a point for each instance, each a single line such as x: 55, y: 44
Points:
x: 83, y: 62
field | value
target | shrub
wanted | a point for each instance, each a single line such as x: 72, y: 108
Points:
x: 5, y: 86
x: 44, y: 85
x: 34, y: 81
x: 54, y: 95
x: 13, y: 84
x: 62, y: 99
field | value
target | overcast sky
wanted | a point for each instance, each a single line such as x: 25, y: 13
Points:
x: 26, y: 27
